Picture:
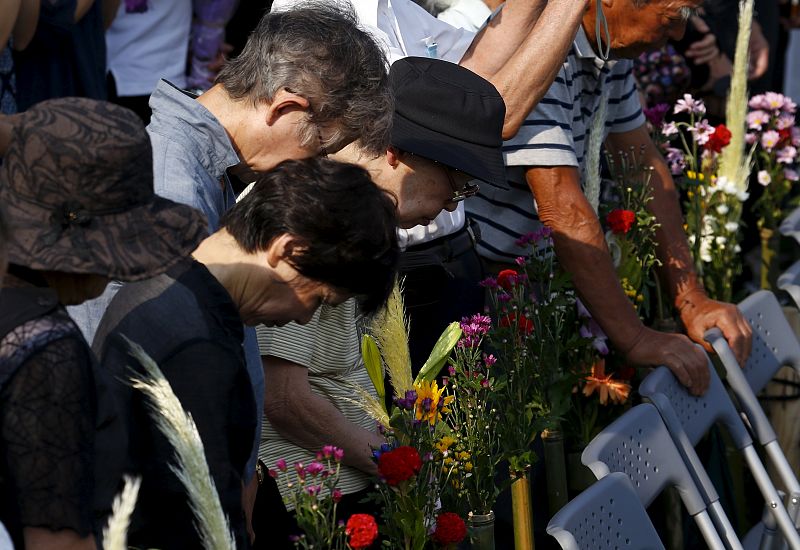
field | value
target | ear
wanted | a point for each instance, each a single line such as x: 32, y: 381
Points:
x: 394, y: 156
x: 279, y: 251
x: 285, y: 102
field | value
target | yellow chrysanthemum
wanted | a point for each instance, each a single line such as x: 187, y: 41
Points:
x: 427, y: 407
x: 444, y: 444
x: 468, y: 466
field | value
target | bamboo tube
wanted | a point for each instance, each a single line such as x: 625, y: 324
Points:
x: 522, y: 513
x: 555, y: 464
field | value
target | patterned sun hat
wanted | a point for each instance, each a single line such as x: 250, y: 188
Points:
x: 77, y: 187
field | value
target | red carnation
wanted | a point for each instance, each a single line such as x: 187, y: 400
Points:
x: 399, y: 464
x: 524, y: 325
x: 362, y: 530
x: 720, y: 138
x: 450, y: 529
x: 507, y: 278
x: 620, y: 220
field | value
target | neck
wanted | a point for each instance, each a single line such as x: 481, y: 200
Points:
x: 230, y: 113
x: 225, y: 259
x: 588, y: 24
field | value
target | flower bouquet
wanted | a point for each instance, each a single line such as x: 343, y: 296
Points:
x: 314, y: 496
x: 472, y: 451
x: 410, y: 465
x: 713, y: 203
x: 772, y: 130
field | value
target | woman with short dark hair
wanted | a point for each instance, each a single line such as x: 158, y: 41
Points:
x: 309, y: 232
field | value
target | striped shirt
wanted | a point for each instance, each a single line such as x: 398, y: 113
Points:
x: 329, y: 346
x: 554, y: 134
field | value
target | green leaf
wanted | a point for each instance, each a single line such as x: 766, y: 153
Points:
x: 372, y: 360
x: 441, y: 351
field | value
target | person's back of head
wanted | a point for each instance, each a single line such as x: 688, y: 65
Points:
x: 345, y: 224
x: 317, y: 51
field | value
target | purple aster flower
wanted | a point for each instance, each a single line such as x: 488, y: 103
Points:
x: 787, y: 155
x: 504, y: 297
x: 655, y: 115
x: 774, y: 101
x: 756, y: 119
x: 784, y: 121
x: 408, y: 401
x: 690, y: 105
x: 520, y: 260
x: 770, y: 139
x: 281, y: 464
x: 490, y: 360
x: 701, y: 131
x: 489, y: 282
x: 669, y: 129
x: 790, y: 174
x: 750, y: 138
x: 758, y: 102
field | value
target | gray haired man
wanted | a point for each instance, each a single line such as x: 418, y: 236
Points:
x: 290, y: 95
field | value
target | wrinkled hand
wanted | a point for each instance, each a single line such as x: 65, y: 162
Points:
x: 675, y: 351
x: 759, y: 53
x: 700, y: 313
x: 705, y: 49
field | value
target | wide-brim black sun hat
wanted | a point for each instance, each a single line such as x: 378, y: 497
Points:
x: 77, y: 187
x: 449, y: 114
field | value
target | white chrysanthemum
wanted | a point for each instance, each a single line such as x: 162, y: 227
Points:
x: 722, y: 209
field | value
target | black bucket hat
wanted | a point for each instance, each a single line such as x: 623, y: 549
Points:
x: 449, y: 114
x: 77, y: 188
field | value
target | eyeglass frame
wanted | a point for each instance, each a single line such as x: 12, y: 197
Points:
x: 458, y: 194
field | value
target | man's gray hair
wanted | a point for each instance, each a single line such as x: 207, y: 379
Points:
x: 317, y: 51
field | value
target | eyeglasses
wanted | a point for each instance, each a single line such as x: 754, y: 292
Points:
x: 463, y: 191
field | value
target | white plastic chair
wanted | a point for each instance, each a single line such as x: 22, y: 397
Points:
x: 639, y: 445
x: 607, y: 515
x: 774, y: 345
x: 688, y: 419
x: 790, y: 226
x: 790, y: 282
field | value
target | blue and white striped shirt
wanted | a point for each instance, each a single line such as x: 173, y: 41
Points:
x: 554, y: 134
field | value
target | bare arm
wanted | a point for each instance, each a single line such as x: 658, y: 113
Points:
x: 521, y: 65
x: 310, y: 421
x: 9, y: 9
x: 698, y: 312
x: 81, y: 7
x: 110, y: 8
x: 27, y: 20
x: 581, y: 248
x: 37, y: 538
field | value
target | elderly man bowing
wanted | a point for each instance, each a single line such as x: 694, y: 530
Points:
x: 547, y: 158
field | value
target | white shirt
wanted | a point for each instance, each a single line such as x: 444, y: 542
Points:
x: 143, y: 48
x: 466, y: 14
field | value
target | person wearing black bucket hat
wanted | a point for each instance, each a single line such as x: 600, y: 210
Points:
x: 445, y: 141
x: 77, y: 190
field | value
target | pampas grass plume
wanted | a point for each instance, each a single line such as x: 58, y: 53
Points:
x: 390, y: 330
x: 190, y: 464
x: 115, y: 534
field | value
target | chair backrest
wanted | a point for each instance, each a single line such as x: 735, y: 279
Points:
x: 791, y: 225
x: 696, y: 414
x: 774, y: 341
x: 639, y: 445
x: 606, y: 515
x: 789, y: 281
